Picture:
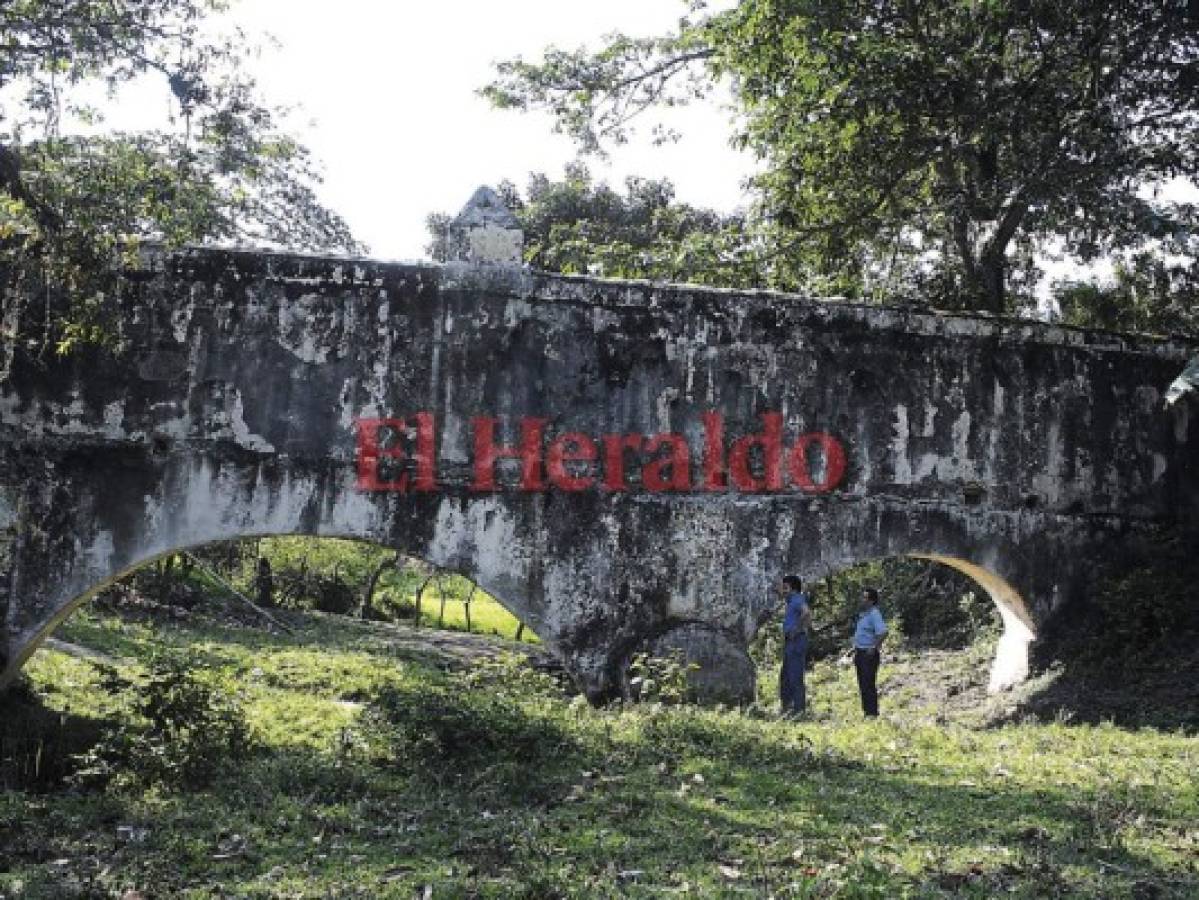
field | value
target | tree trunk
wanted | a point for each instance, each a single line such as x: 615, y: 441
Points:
x: 992, y: 270
x: 985, y: 263
x: 264, y: 582
x: 368, y: 596
x: 466, y: 605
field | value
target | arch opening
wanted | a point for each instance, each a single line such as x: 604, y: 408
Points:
x: 1010, y: 665
x: 437, y: 596
x: 943, y: 613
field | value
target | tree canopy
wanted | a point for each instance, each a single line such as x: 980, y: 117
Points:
x: 580, y: 226
x: 221, y: 169
x: 1146, y: 293
x: 937, y: 145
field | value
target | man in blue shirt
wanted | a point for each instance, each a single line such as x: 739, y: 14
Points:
x: 796, y: 621
x: 868, y: 638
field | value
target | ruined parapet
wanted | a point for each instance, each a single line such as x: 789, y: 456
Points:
x: 485, y: 232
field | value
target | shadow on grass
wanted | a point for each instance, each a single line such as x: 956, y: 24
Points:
x: 755, y: 808
x: 306, y: 816
x: 506, y: 802
x: 39, y: 745
x: 328, y: 632
x: 991, y: 840
x: 499, y: 799
x: 1128, y: 651
x: 1161, y: 694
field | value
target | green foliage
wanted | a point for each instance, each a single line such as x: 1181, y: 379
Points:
x: 578, y: 226
x: 577, y: 87
x: 75, y: 207
x: 1146, y: 293
x: 1141, y: 612
x: 636, y: 800
x: 334, y: 575
x: 929, y: 147
x: 509, y: 676
x: 448, y: 732
x: 328, y: 575
x: 936, y: 607
x: 184, y: 729
x: 353, y: 561
x: 660, y: 679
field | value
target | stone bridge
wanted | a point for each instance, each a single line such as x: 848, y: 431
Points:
x: 623, y: 465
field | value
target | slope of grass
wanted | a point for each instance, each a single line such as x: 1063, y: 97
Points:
x: 548, y: 797
x: 332, y: 574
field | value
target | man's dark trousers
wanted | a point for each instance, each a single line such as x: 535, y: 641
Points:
x: 866, y: 663
x: 792, y: 692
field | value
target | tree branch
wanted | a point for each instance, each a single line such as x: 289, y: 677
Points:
x: 12, y: 182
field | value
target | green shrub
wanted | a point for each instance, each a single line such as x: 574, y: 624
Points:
x: 1141, y: 610
x: 660, y: 679
x: 330, y: 594
x: 182, y: 730
x: 449, y: 730
x: 306, y: 775
x: 510, y: 676
x: 392, y: 606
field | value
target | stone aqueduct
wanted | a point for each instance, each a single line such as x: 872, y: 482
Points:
x: 235, y: 400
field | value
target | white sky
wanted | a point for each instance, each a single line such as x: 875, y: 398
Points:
x: 385, y: 97
x: 387, y: 90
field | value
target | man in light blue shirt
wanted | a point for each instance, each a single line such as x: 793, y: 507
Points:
x: 797, y: 620
x: 868, y: 639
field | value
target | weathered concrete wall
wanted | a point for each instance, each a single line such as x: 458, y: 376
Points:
x: 1013, y: 450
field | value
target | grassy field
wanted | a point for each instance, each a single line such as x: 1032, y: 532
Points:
x: 380, y: 769
x: 309, y: 572
x: 487, y: 616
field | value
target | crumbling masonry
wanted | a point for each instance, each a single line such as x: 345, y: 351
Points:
x: 1012, y: 450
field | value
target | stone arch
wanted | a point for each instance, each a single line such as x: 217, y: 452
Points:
x: 1020, y: 448
x: 594, y: 576
x: 1010, y: 664
x: 141, y: 513
x: 64, y: 611
x: 1029, y: 567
